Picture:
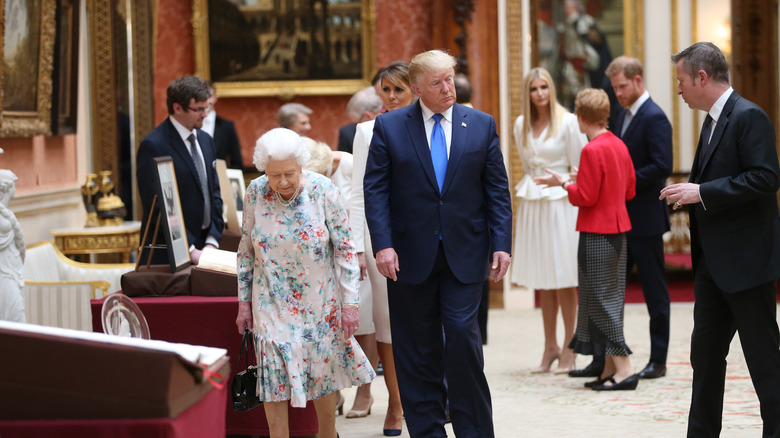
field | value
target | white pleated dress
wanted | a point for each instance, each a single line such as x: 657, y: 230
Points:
x: 545, y: 246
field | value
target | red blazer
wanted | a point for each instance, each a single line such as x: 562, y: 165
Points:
x: 605, y: 181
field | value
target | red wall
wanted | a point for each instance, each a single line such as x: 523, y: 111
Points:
x: 403, y: 29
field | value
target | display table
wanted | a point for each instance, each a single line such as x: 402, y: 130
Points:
x: 123, y: 239
x: 210, y: 321
x: 197, y: 421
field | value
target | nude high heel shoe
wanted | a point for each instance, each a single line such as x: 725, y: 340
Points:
x: 353, y: 413
x: 545, y: 366
x: 566, y: 361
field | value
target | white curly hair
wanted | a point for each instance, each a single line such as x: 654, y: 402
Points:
x: 279, y: 144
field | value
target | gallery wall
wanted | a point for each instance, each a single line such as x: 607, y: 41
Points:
x: 403, y: 29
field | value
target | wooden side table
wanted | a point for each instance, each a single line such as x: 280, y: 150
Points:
x: 123, y: 239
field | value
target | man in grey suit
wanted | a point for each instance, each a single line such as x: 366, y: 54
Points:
x: 735, y: 240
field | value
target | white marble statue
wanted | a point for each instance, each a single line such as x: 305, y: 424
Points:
x: 11, y: 254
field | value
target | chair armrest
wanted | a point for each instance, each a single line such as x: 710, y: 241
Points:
x: 99, y: 288
x: 61, y: 303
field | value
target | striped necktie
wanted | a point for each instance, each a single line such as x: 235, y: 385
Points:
x: 204, y: 187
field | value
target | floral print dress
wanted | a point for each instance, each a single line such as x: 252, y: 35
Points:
x: 288, y: 261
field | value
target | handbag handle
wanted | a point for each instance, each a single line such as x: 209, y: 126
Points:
x: 244, y: 349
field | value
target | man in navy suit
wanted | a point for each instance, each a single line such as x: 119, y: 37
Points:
x: 437, y: 197
x: 192, y: 151
x: 644, y: 128
x: 735, y: 240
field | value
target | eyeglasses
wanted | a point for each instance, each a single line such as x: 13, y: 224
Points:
x: 205, y: 109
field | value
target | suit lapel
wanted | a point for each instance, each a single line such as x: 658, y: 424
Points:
x: 209, y: 154
x: 416, y: 129
x: 720, y: 127
x: 619, y: 123
x: 178, y: 146
x: 634, y: 120
x: 460, y: 131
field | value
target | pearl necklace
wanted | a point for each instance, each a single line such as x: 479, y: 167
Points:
x: 292, y: 199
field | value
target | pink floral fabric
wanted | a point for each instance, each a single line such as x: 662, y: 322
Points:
x: 297, y: 264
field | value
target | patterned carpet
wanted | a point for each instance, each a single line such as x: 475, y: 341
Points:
x: 549, y: 405
x: 656, y: 408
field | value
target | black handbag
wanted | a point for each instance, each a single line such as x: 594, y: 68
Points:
x: 244, y: 385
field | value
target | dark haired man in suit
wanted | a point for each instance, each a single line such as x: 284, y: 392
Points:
x: 192, y: 151
x: 437, y: 197
x: 735, y: 240
x: 644, y: 128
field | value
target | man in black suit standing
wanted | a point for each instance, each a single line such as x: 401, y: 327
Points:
x: 735, y: 240
x: 192, y: 152
x: 223, y: 131
x: 644, y: 128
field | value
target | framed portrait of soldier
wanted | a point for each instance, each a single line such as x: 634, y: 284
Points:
x: 171, y: 218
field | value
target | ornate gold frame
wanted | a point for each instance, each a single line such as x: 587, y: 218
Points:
x: 633, y: 43
x: 38, y: 122
x: 284, y: 89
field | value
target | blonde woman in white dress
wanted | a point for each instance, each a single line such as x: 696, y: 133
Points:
x: 395, y: 91
x: 545, y: 249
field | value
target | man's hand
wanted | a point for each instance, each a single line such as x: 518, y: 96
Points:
x: 362, y: 263
x: 681, y: 194
x: 196, y: 253
x: 387, y: 263
x: 500, y: 265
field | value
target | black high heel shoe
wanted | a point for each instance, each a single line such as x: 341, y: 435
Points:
x: 598, y: 381
x: 628, y: 384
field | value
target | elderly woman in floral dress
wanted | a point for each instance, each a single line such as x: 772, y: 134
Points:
x: 303, y: 314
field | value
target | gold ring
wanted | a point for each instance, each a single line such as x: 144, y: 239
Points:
x: 678, y: 204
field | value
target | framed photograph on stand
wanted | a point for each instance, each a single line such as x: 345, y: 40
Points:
x: 228, y: 199
x: 236, y: 178
x: 169, y: 208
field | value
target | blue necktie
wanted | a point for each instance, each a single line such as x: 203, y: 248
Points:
x: 439, y: 151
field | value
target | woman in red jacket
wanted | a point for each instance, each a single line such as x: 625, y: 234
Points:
x: 604, y: 182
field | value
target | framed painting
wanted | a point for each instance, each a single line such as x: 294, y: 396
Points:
x: 65, y: 72
x: 575, y: 40
x: 312, y: 47
x: 27, y: 51
x: 171, y: 215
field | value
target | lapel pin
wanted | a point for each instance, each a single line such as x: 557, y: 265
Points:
x: 463, y: 124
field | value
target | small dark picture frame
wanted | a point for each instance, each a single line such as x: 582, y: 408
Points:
x: 171, y: 218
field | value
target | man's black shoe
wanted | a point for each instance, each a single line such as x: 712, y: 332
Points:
x: 653, y: 370
x: 594, y: 369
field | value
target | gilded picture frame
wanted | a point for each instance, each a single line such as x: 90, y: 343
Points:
x: 28, y: 35
x: 575, y: 41
x: 66, y: 68
x: 265, y: 52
